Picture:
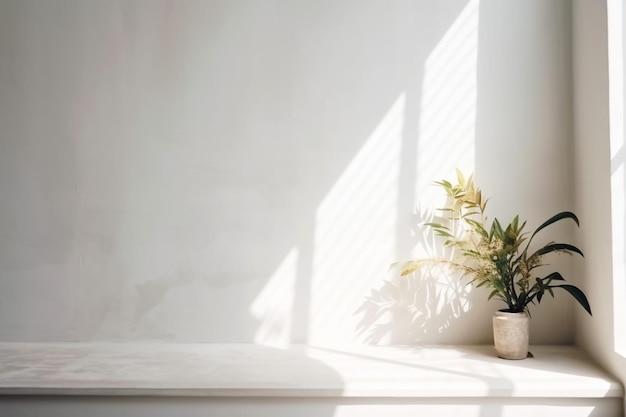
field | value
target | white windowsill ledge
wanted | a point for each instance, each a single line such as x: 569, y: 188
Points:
x: 248, y: 370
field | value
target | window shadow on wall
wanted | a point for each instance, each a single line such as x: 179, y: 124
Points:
x: 360, y: 221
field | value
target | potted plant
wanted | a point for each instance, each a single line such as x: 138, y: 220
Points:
x: 500, y: 258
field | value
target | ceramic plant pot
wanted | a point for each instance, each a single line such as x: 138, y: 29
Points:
x: 510, y: 334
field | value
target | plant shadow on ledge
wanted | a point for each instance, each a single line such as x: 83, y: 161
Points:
x: 498, y: 257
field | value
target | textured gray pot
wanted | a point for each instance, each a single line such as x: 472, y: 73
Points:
x: 510, y: 334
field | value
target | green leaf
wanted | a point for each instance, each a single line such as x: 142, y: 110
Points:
x: 553, y: 276
x: 478, y: 227
x: 493, y: 294
x: 460, y: 176
x: 482, y: 284
x: 496, y: 230
x: 578, y: 295
x: 443, y: 233
x: 469, y: 213
x: 521, y: 299
x: 436, y: 225
x: 555, y: 247
x: 444, y: 184
x: 407, y: 267
x: 514, y: 223
x: 557, y: 217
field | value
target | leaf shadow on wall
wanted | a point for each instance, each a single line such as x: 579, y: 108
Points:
x: 419, y: 304
x: 431, y: 304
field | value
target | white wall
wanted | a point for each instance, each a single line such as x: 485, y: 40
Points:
x: 523, y: 139
x: 246, y: 171
x: 600, y: 164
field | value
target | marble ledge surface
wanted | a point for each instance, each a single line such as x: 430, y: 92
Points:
x: 249, y: 370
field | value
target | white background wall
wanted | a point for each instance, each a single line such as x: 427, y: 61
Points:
x: 600, y: 189
x: 247, y: 171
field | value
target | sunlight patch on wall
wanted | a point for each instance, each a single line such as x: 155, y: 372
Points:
x: 446, y: 141
x: 618, y: 208
x: 448, y: 110
x: 448, y: 105
x: 618, y: 171
x: 355, y: 233
x: 273, y: 306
